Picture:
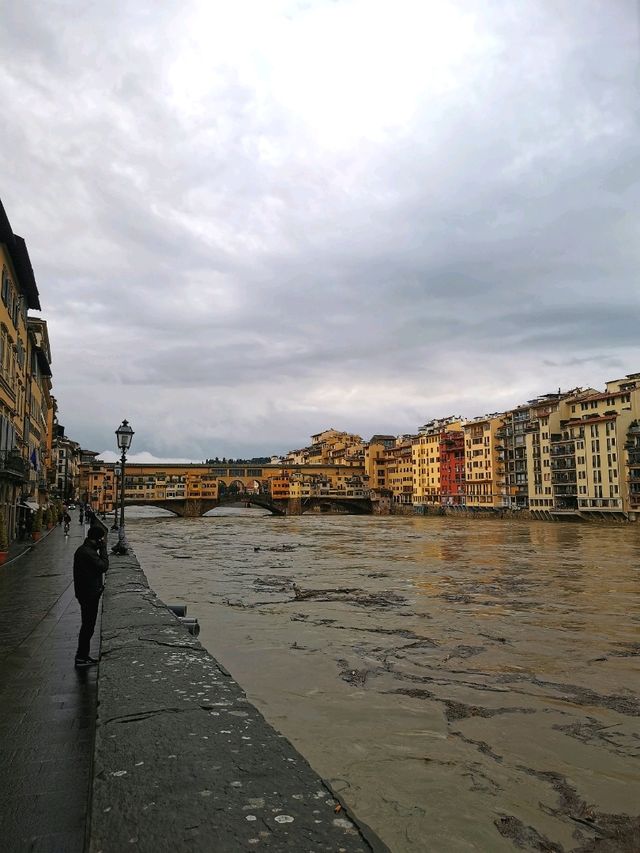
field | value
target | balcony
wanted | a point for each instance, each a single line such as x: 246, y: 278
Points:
x: 563, y: 450
x: 13, y: 465
x: 563, y: 477
x: 566, y: 464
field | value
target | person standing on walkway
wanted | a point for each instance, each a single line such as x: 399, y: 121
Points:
x: 90, y: 562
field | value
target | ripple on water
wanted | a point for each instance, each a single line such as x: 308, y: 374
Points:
x: 467, y: 681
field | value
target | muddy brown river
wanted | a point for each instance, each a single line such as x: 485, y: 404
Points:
x: 465, y: 685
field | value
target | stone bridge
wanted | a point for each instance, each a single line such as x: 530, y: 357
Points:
x: 197, y: 507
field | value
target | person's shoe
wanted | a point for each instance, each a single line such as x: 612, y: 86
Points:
x: 82, y: 663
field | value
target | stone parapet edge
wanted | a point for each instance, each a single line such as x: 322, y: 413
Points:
x: 166, y: 776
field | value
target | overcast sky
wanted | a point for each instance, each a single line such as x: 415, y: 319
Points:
x: 253, y: 220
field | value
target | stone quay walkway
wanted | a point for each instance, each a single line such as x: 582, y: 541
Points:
x: 47, y: 708
x: 156, y: 749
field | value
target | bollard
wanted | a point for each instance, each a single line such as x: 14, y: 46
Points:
x: 191, y: 625
x: 178, y: 609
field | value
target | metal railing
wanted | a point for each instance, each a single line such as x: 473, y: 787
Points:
x: 11, y: 462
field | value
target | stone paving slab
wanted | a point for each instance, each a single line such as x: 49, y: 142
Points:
x: 183, y: 762
x: 47, y: 708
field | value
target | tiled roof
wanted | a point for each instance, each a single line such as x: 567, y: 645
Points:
x: 20, y: 257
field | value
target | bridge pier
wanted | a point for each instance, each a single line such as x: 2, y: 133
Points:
x: 294, y: 506
x: 192, y: 508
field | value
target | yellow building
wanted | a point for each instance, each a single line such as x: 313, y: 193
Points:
x: 399, y: 466
x: 329, y: 447
x: 39, y: 415
x: 375, y: 461
x: 485, y: 464
x: 97, y: 486
x: 19, y: 293
x: 425, y: 452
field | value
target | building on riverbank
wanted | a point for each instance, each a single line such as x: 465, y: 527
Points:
x: 26, y: 403
x: 400, y: 472
x: 565, y: 453
x: 595, y: 442
x: 452, y: 468
x: 427, y: 462
x: 65, y: 461
x: 485, y: 480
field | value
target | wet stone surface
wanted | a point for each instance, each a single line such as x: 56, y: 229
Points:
x: 47, y: 707
x: 182, y: 760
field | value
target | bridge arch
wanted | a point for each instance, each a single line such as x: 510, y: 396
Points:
x: 325, y: 503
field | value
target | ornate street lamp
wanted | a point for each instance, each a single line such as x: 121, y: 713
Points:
x: 124, y: 435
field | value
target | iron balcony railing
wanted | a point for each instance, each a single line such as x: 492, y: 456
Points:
x: 563, y: 465
x: 561, y: 477
x: 12, y: 464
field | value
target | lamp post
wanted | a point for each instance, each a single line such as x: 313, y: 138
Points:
x: 124, y: 435
x: 116, y: 483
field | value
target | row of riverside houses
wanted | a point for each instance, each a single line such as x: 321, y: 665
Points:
x: 573, y: 453
x: 567, y: 453
x: 38, y: 463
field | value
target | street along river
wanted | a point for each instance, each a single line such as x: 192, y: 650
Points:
x: 465, y: 685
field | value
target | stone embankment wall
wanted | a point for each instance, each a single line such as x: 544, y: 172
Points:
x: 182, y: 760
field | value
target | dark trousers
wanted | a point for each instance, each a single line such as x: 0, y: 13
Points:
x: 89, y: 611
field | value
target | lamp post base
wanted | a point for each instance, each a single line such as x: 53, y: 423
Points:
x: 122, y: 546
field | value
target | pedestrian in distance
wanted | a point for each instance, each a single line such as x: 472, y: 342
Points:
x: 90, y: 562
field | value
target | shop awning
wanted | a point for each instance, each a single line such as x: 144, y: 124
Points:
x: 33, y: 506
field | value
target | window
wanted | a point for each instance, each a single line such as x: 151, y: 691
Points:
x: 6, y: 285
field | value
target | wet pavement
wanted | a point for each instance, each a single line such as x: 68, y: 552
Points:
x: 47, y: 708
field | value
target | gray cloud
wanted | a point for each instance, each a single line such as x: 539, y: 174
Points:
x: 254, y: 222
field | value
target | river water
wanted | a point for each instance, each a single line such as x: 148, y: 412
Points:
x: 464, y: 685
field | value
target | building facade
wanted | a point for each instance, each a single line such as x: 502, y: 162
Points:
x: 485, y: 480
x: 19, y: 413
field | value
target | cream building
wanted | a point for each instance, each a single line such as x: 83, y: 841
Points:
x: 600, y: 430
x: 485, y: 463
x: 545, y: 417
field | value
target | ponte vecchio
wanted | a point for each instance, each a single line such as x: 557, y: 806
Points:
x: 192, y: 490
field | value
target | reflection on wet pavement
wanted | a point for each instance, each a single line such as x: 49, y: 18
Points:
x: 465, y: 685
